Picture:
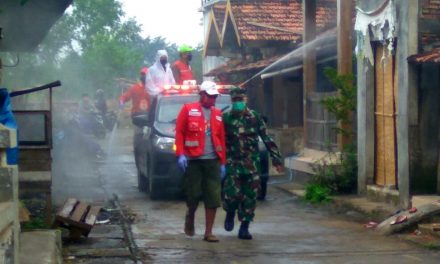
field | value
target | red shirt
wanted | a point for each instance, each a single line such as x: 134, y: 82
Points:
x: 139, y: 97
x: 190, y: 132
x: 184, y: 70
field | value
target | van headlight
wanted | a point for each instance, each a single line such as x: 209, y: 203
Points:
x: 164, y: 143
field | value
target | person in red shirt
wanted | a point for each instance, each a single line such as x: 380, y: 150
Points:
x: 140, y: 99
x: 200, y: 150
x: 181, y: 69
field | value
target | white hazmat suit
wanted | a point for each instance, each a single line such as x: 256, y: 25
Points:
x: 158, y: 76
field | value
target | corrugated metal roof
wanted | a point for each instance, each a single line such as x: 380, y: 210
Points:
x: 432, y: 56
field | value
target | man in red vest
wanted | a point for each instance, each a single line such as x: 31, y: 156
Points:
x: 140, y: 99
x: 181, y: 69
x: 200, y: 149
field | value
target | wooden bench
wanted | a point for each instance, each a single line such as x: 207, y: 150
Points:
x: 78, y: 217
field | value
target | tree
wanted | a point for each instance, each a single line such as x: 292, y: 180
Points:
x: 87, y: 49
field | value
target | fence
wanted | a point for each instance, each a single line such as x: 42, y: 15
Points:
x: 321, y: 132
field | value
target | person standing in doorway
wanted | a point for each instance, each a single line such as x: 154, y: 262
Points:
x: 243, y: 126
x: 201, y: 154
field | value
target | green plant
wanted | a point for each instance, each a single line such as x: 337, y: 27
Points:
x: 344, y: 103
x: 35, y: 223
x: 338, y: 172
x: 432, y: 246
x: 316, y: 193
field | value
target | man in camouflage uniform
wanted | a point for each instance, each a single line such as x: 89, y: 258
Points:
x: 243, y: 126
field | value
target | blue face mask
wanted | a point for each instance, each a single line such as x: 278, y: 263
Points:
x: 238, y: 106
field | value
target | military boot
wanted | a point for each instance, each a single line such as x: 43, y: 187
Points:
x: 243, y: 233
x: 229, y: 221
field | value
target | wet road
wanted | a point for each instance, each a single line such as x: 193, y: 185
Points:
x: 285, y: 229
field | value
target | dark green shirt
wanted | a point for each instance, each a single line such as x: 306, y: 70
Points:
x: 242, y: 132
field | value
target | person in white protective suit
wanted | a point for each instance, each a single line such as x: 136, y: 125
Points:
x: 159, y: 74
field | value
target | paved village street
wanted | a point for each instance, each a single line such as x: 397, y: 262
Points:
x: 286, y: 230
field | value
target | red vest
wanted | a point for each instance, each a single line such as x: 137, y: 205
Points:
x: 185, y: 71
x: 190, y: 132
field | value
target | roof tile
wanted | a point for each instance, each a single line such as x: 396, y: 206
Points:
x: 432, y: 56
x: 257, y: 19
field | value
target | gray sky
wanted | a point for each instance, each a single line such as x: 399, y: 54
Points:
x: 176, y: 20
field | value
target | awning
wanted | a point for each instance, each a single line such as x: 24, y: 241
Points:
x: 24, y: 24
x: 237, y: 66
x: 432, y: 56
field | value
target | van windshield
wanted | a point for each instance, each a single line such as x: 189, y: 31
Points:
x: 169, y: 106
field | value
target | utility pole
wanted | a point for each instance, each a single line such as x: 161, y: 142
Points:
x: 309, y: 56
x: 345, y: 53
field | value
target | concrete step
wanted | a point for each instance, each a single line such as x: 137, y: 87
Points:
x: 41, y: 247
x: 431, y: 229
x: 304, y: 162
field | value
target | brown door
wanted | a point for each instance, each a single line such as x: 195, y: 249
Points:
x: 385, y: 118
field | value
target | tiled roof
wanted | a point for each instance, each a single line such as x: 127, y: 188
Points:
x: 429, y: 38
x: 238, y: 66
x: 432, y: 56
x: 431, y: 9
x: 219, y: 14
x: 278, y: 20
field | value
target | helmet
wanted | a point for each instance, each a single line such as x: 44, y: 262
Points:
x: 185, y: 48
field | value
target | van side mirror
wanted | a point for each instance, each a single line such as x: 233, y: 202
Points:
x: 141, y: 119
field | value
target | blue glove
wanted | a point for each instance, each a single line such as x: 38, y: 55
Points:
x: 222, y: 172
x: 182, y: 162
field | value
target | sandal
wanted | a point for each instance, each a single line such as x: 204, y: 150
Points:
x: 400, y: 219
x: 189, y: 226
x: 211, y: 238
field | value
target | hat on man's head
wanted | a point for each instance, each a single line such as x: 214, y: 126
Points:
x: 185, y: 48
x: 144, y: 70
x: 209, y: 87
x: 237, y: 92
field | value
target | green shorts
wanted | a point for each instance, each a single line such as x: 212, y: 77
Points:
x: 202, y: 182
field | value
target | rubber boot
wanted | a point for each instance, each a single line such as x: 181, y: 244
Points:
x: 209, y: 223
x: 229, y: 221
x: 243, y: 233
x: 262, y: 195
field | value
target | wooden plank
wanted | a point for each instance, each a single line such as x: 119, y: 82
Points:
x: 92, y: 215
x: 80, y: 212
x: 67, y: 208
x: 68, y: 223
x: 385, y: 120
x: 379, y: 124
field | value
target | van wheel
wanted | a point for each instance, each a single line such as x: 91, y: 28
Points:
x: 142, y: 183
x: 155, y: 193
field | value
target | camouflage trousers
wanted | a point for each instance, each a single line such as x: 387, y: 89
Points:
x: 240, y: 194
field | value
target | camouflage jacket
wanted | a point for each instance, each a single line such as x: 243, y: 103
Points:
x: 242, y: 131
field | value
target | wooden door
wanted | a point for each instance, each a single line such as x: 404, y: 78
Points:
x: 385, y: 118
